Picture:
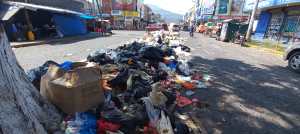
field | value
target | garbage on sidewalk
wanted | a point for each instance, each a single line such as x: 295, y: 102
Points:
x: 135, y: 88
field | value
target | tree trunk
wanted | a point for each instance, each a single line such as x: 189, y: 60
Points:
x: 22, y: 109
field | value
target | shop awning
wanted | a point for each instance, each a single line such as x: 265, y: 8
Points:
x: 7, y: 11
x: 35, y: 7
x: 88, y: 17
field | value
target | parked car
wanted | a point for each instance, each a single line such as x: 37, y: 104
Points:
x: 292, y: 55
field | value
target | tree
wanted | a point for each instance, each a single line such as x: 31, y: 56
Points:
x: 22, y: 109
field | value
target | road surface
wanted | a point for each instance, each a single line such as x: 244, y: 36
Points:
x: 75, y: 50
x: 252, y: 92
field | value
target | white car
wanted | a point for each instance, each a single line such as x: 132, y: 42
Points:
x: 292, y: 55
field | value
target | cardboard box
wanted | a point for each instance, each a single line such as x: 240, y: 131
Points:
x: 76, y: 90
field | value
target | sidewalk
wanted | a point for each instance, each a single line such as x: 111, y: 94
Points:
x: 54, y: 40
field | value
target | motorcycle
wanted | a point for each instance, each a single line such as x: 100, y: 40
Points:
x: 239, y: 39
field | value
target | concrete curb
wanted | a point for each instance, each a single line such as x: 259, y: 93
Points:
x: 42, y: 42
x: 30, y: 44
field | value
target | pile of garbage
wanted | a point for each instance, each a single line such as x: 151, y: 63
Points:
x: 140, y: 87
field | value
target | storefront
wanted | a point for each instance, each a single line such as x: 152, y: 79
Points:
x: 278, y: 20
x: 283, y: 24
x: 35, y: 22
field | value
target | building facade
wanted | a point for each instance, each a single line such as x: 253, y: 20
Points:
x: 126, y: 14
x: 218, y: 10
x: 278, y: 20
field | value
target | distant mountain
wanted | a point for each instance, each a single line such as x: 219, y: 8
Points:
x: 168, y: 16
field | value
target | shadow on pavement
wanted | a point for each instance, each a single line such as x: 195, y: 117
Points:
x: 245, y: 99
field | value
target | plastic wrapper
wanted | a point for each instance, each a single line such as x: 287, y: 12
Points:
x: 164, y: 125
x: 153, y: 113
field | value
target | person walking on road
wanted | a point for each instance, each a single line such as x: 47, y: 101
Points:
x: 192, y: 30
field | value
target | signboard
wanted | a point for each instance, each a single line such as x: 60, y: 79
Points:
x: 118, y: 18
x: 207, y: 7
x: 237, y: 7
x: 116, y: 12
x: 106, y: 6
x: 130, y: 13
x: 223, y: 7
x: 130, y: 5
x: 117, y: 4
x: 225, y: 17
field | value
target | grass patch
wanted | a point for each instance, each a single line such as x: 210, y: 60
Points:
x: 276, y: 46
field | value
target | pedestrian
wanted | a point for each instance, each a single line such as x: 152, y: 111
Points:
x: 192, y: 30
x: 15, y: 32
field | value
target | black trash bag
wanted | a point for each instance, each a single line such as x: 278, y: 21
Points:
x: 169, y: 52
x: 160, y: 75
x: 139, y: 112
x: 153, y: 54
x: 159, y: 41
x: 134, y: 116
x: 112, y: 114
x: 135, y: 47
x: 120, y: 82
x: 139, y: 84
x: 171, y: 97
x: 180, y: 128
x: 141, y: 88
x: 185, y: 48
x: 36, y: 74
x: 100, y: 58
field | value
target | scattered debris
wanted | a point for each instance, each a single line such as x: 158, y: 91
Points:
x: 135, y: 88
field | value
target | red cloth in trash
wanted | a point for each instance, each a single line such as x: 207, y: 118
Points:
x: 183, y: 101
x: 149, y: 130
x: 104, y: 126
x: 189, y: 85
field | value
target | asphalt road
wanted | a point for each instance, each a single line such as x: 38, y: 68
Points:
x: 252, y: 92
x: 72, y: 50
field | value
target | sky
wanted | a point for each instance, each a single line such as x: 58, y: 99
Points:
x: 176, y: 6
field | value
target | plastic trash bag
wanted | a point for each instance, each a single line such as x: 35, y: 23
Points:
x: 164, y: 67
x: 100, y: 57
x: 153, y: 113
x: 164, y: 125
x: 153, y: 54
x: 181, y: 128
x: 36, y: 74
x: 138, y: 84
x: 82, y: 123
x: 67, y: 65
x: 185, y: 48
x: 184, y: 69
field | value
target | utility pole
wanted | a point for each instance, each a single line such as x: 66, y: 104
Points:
x: 98, y: 6
x: 249, y: 31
